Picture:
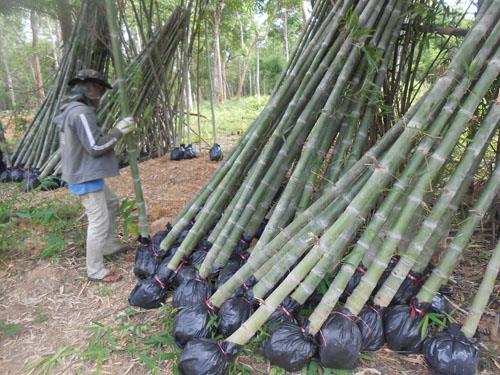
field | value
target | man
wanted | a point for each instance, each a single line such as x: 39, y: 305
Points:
x: 87, y: 157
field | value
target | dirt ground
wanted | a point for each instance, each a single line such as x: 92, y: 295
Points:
x: 55, y: 305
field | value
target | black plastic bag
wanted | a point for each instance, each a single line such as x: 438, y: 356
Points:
x: 204, y: 244
x: 232, y: 265
x: 233, y: 313
x: 3, y: 166
x: 207, y: 357
x: 197, y: 257
x: 452, y: 353
x: 216, y: 153
x: 148, y: 294
x: 289, y: 347
x: 17, y: 174
x: 5, y: 176
x: 157, y: 238
x: 146, y: 262
x: 191, y: 293
x: 403, y: 327
x: 439, y: 304
x: 261, y: 228
x: 243, y: 244
x: 339, y: 341
x: 165, y: 274
x: 183, y: 274
x: 353, y: 282
x: 371, y: 326
x: 31, y: 179
x: 408, y: 289
x: 191, y: 322
x: 286, y: 311
x: 190, y: 152
x: 178, y: 153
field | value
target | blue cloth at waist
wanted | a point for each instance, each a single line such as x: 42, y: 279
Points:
x: 86, y: 187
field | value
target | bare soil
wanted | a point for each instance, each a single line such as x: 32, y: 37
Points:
x: 55, y: 305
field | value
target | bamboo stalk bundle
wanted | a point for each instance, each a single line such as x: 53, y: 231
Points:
x: 87, y: 48
x: 147, y: 77
x: 304, y: 201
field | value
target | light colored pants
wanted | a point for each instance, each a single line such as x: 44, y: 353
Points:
x: 100, y: 208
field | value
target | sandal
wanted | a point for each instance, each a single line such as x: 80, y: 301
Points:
x: 109, y: 278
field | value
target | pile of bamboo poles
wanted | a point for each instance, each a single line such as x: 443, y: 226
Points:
x: 153, y: 81
x: 313, y: 205
x: 87, y: 47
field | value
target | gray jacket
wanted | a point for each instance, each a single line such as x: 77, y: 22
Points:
x: 86, y: 154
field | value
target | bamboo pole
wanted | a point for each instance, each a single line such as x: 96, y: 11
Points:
x: 125, y: 112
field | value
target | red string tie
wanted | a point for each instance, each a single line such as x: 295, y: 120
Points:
x: 374, y: 309
x: 158, y: 280
x: 287, y: 313
x: 415, y: 280
x: 222, y: 350
x: 415, y: 310
x: 179, y: 267
x: 211, y: 307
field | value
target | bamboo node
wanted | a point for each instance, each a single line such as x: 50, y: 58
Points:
x: 315, y: 240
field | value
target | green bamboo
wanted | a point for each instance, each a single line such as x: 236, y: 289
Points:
x: 441, y: 273
x: 474, y: 151
x: 269, y: 115
x: 274, y: 269
x: 241, y: 216
x: 358, y: 298
x: 363, y: 202
x: 125, y: 112
x: 483, y: 294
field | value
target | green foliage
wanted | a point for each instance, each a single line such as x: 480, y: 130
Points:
x: 232, y: 117
x: 131, y: 335
x: 47, y: 363
x: 127, y: 217
x: 9, y: 329
x: 40, y: 315
x: 40, y: 226
x: 431, y: 320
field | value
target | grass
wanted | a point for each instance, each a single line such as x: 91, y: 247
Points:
x: 31, y: 226
x: 9, y: 329
x: 231, y: 117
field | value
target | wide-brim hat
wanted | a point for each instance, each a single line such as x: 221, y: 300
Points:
x: 89, y: 75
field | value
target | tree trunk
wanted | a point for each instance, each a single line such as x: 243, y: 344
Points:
x: 305, y: 12
x: 36, y: 55
x: 243, y: 75
x: 220, y: 93
x: 285, y: 32
x: 257, y: 68
x: 7, y: 74
x: 54, y: 29
x: 63, y: 10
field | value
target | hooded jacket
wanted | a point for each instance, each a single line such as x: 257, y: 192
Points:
x: 86, y: 154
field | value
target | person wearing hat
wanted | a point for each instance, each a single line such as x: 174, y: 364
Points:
x: 87, y: 157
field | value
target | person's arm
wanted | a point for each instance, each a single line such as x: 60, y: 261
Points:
x: 84, y: 125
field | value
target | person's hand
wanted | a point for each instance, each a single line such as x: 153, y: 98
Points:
x: 126, y: 125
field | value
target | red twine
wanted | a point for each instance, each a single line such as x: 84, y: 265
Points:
x: 179, y: 267
x: 222, y: 350
x: 158, y: 280
x: 374, y: 309
x: 415, y: 310
x: 287, y: 313
x: 211, y: 307
x: 415, y: 280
